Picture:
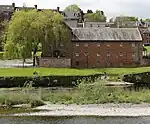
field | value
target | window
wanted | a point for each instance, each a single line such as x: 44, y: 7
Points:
x: 121, y: 54
x: 8, y: 7
x: 133, y: 44
x: 77, y: 63
x: 108, y: 45
x: 98, y: 25
x: 77, y: 45
x: 121, y: 44
x: 108, y: 53
x: 61, y: 44
x: 98, y: 45
x: 90, y: 25
x: 98, y: 54
x: 86, y: 53
x: 77, y: 54
x: 133, y: 54
x: 86, y: 44
x: 98, y: 62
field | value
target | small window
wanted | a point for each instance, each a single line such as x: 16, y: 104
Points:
x: 77, y: 54
x: 133, y: 44
x: 8, y: 7
x: 108, y: 45
x: 133, y: 54
x: 121, y: 44
x: 98, y: 55
x: 121, y: 54
x: 86, y: 53
x: 86, y: 45
x: 90, y: 25
x: 77, y: 63
x: 77, y: 45
x: 98, y: 45
x: 98, y: 62
x: 98, y: 25
x: 61, y: 44
x: 108, y: 53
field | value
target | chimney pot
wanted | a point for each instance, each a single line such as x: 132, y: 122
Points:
x: 35, y: 6
x: 58, y: 8
x: 13, y: 4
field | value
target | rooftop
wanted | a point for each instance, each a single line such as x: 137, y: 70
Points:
x: 106, y: 34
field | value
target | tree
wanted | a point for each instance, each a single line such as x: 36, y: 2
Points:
x: 3, y: 31
x: 89, y: 11
x: 29, y: 28
x: 146, y: 20
x: 72, y: 8
x: 98, y: 16
x: 122, y: 20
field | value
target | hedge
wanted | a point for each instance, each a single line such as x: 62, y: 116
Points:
x: 44, y: 81
x: 1, y: 55
x: 140, y: 78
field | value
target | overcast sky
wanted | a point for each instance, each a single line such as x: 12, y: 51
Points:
x: 112, y: 8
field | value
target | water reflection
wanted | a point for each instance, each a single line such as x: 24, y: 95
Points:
x: 75, y: 120
x: 138, y: 87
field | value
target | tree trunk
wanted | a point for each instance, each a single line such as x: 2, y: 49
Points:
x: 34, y: 56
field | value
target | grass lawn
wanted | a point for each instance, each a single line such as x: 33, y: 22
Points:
x: 68, y: 72
x: 148, y: 48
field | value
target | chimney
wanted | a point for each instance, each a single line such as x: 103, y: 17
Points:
x: 35, y: 6
x: 13, y: 5
x: 58, y: 8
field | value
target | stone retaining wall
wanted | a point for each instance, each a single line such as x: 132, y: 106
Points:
x: 55, y: 62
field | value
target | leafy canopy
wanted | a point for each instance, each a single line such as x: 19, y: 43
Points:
x: 98, y: 16
x: 72, y: 8
x: 29, y: 28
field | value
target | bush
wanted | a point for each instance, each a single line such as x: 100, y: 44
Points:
x: 44, y: 81
x: 1, y: 55
x: 141, y: 78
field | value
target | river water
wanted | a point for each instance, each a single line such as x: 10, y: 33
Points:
x: 74, y: 120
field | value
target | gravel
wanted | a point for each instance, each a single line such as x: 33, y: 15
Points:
x: 115, y: 110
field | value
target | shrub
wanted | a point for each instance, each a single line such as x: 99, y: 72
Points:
x: 1, y: 55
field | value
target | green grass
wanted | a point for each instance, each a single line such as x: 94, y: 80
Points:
x: 97, y: 93
x: 68, y: 71
x: 148, y: 48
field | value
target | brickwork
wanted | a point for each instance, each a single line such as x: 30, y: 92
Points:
x: 106, y: 54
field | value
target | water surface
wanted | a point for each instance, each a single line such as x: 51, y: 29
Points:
x: 74, y: 120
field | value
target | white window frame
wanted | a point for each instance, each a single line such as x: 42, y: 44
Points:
x: 77, y: 44
x: 77, y: 54
x: 86, y: 44
x: 98, y: 55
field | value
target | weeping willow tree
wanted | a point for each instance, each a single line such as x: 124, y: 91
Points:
x: 29, y: 28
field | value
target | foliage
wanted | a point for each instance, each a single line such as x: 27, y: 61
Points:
x: 97, y: 93
x: 1, y: 55
x: 30, y: 29
x: 3, y: 33
x: 23, y: 96
x: 146, y: 20
x: 94, y: 92
x: 72, y: 8
x: 122, y: 20
x: 98, y: 16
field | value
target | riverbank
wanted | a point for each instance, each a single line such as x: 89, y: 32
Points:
x: 102, y: 110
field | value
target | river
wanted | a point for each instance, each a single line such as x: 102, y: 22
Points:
x: 74, y: 120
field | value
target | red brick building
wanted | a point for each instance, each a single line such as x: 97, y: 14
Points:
x: 145, y: 32
x: 106, y: 47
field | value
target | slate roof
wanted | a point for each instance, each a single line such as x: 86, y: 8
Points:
x: 8, y: 8
x: 106, y: 34
x: 71, y: 15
